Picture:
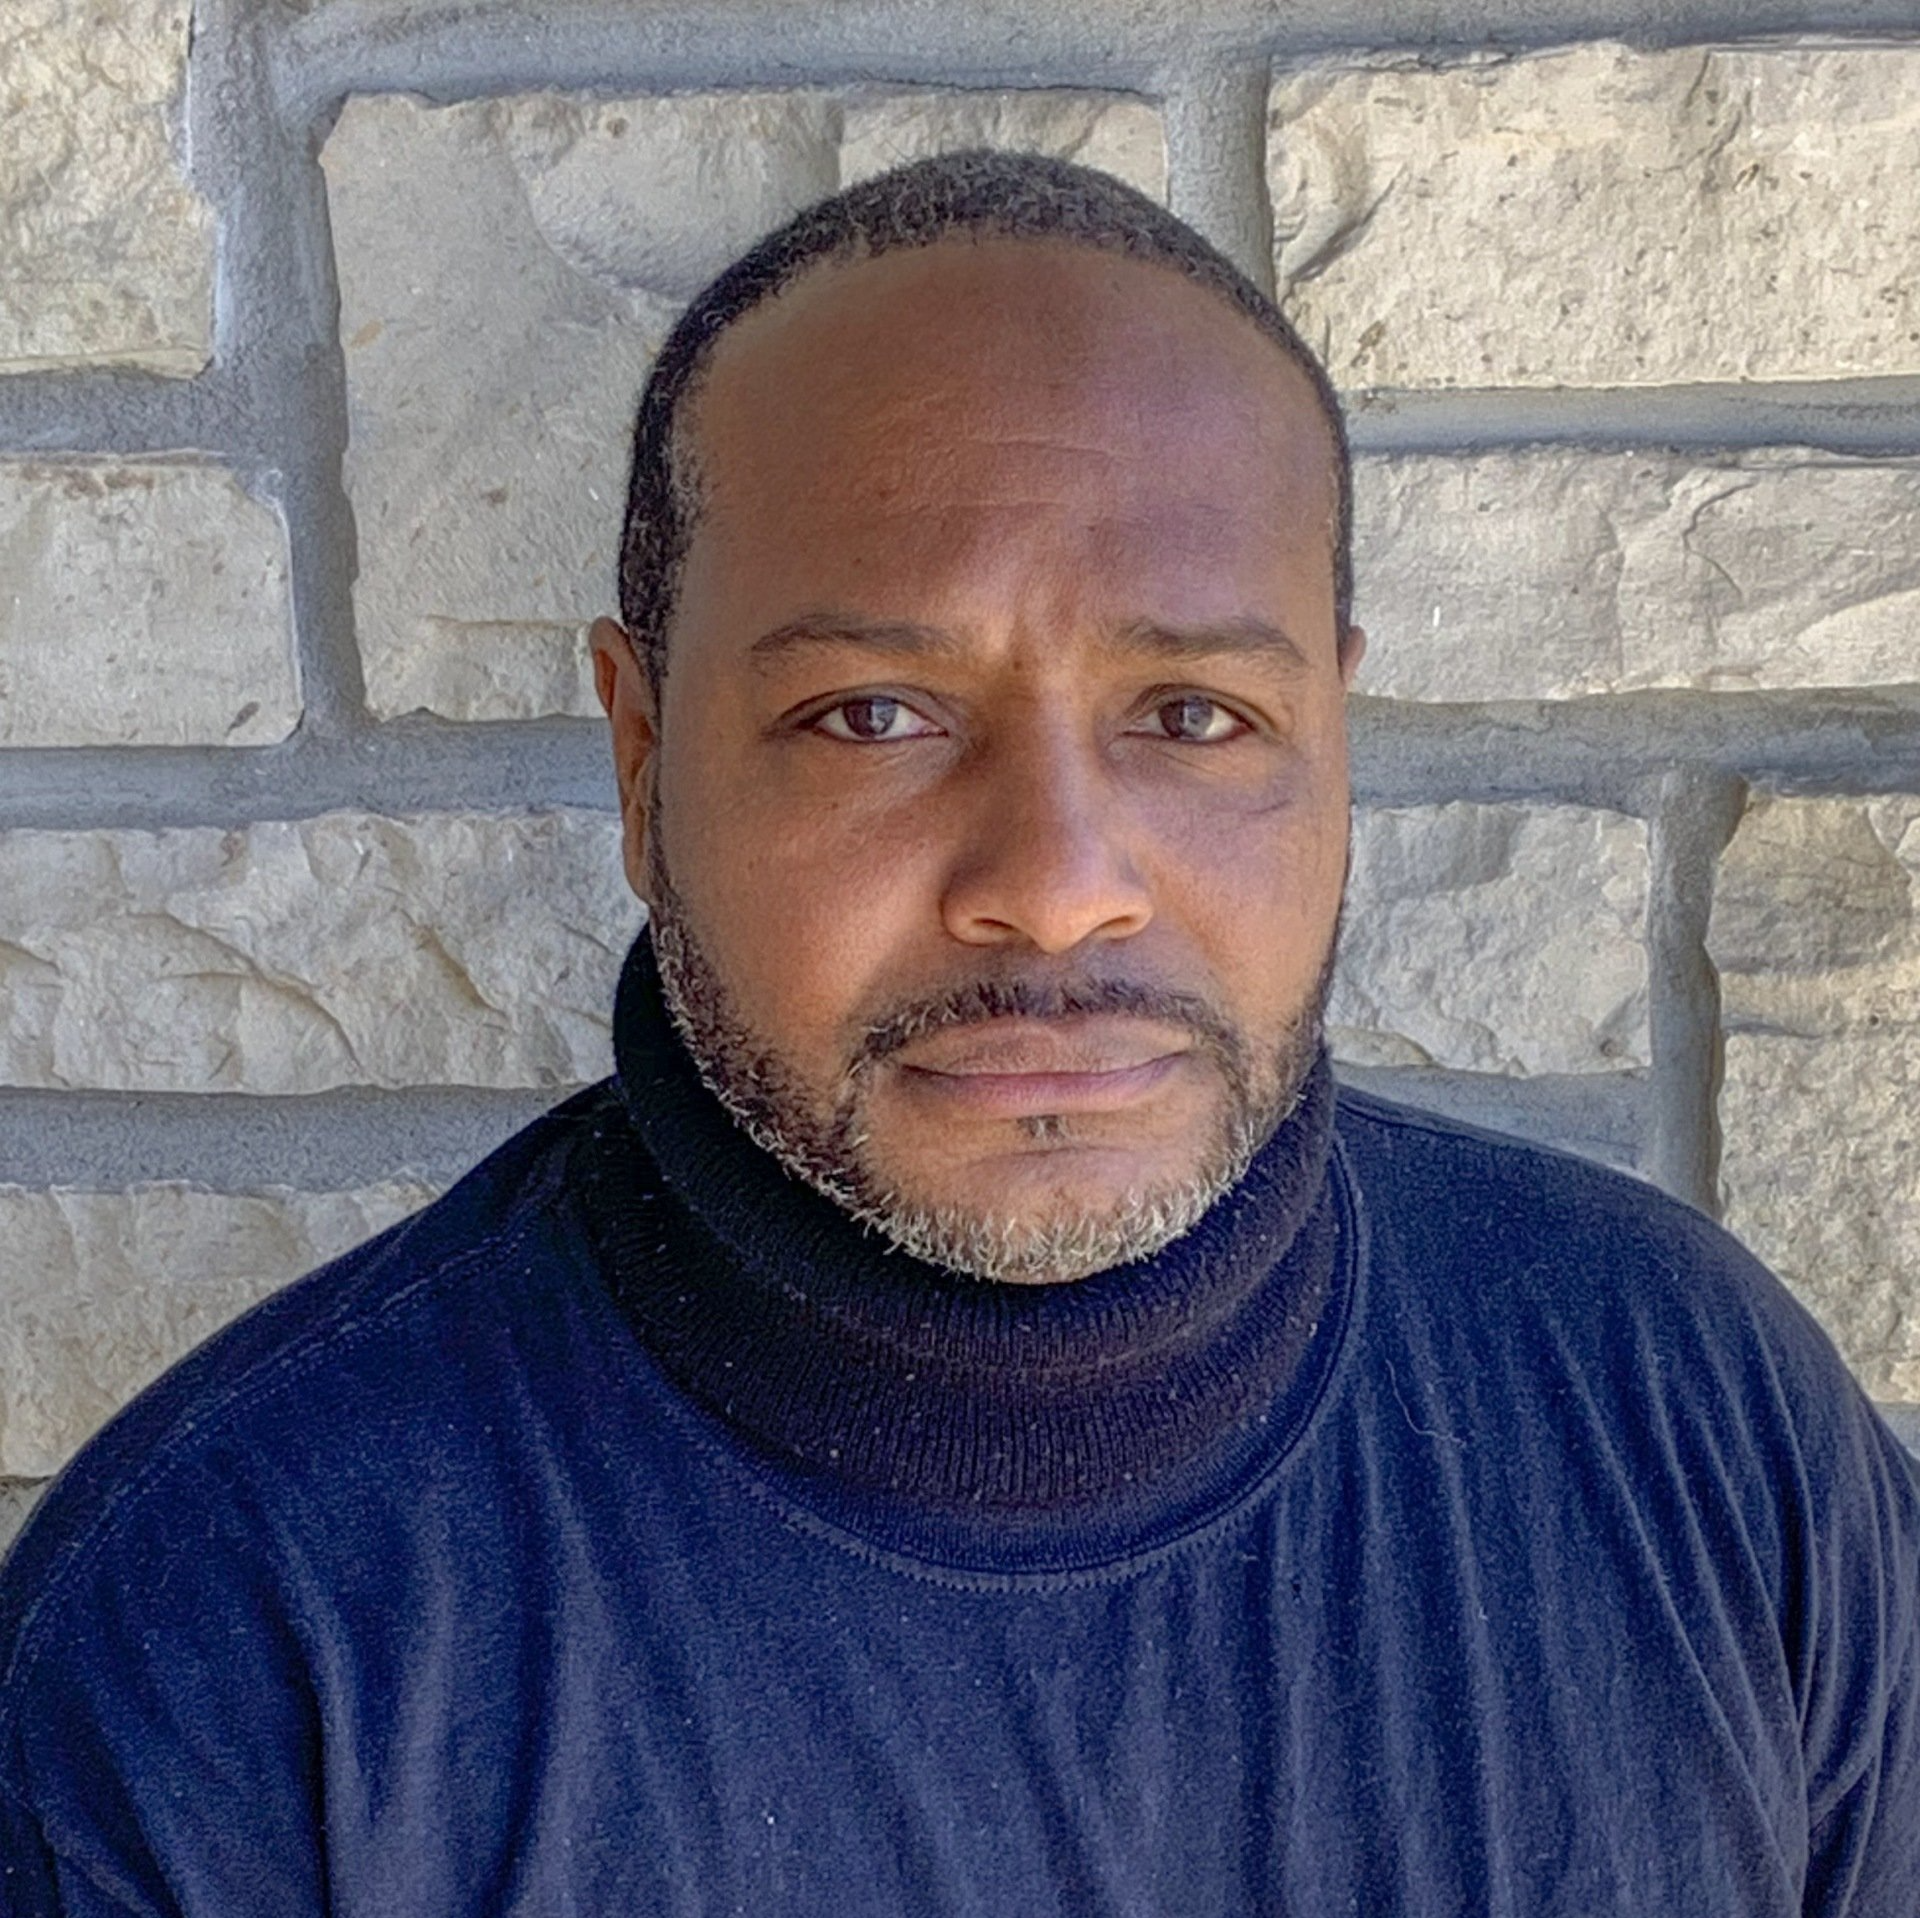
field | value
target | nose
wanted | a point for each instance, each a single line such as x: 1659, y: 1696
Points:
x: 1044, y: 860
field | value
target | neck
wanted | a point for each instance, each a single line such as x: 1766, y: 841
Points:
x: 889, y: 1383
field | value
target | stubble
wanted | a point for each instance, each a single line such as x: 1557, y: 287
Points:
x: 824, y: 1141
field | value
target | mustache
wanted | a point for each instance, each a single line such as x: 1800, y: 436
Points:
x: 982, y: 1000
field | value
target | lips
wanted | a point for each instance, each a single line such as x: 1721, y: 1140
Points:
x: 1087, y: 1044
x: 1024, y: 1066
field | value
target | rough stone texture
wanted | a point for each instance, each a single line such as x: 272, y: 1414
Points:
x: 508, y: 269
x: 17, y: 1497
x: 291, y: 957
x: 1494, y: 939
x: 101, y: 1291
x: 1555, y: 572
x: 488, y: 377
x: 108, y: 251
x: 1605, y: 1116
x: 1599, y: 216
x: 1117, y: 134
x: 143, y: 602
x: 1816, y: 936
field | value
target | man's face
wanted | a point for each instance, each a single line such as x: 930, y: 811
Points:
x: 994, y: 816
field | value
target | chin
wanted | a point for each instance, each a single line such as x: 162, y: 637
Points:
x: 1032, y: 1220
x: 1044, y: 1177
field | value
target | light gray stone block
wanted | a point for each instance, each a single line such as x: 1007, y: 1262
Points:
x: 1117, y: 133
x: 108, y: 250
x: 1556, y: 572
x: 508, y: 269
x: 1905, y: 1421
x: 101, y: 1291
x: 17, y: 1498
x: 1504, y: 939
x: 657, y: 195
x: 490, y: 388
x: 1599, y: 1115
x: 294, y: 956
x: 1598, y: 216
x: 1816, y: 938
x: 141, y: 603
x: 1814, y: 927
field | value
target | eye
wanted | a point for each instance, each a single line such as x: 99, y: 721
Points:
x: 1193, y: 720
x: 874, y: 720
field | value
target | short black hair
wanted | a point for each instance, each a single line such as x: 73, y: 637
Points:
x: 979, y: 195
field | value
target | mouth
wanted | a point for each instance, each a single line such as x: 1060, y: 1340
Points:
x: 1021, y: 1068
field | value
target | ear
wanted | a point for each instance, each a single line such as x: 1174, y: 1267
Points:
x: 1353, y: 649
x: 627, y: 697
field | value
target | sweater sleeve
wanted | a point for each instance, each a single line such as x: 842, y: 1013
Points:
x: 36, y: 1882
x: 159, y: 1746
x: 28, y: 1884
x: 1862, y: 1705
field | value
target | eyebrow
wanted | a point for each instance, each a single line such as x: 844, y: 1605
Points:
x: 907, y: 639
x: 1217, y: 639
x: 897, y: 638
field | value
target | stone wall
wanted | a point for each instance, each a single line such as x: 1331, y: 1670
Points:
x: 319, y: 324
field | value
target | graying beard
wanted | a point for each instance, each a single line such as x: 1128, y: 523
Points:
x: 757, y: 1094
x: 1138, y: 1225
x: 726, y: 1062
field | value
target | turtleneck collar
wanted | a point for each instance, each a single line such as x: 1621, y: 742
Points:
x: 1011, y: 1426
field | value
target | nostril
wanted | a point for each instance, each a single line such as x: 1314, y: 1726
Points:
x: 1049, y: 902
x: 1044, y: 850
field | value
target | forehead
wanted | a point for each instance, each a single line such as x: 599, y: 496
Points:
x: 905, y: 348
x: 1013, y: 405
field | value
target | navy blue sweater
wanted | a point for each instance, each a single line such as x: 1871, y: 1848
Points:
x: 1444, y: 1526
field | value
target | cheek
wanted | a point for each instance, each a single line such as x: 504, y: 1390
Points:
x: 1257, y: 890
x: 810, y: 911
x: 1268, y: 896
x: 1286, y: 826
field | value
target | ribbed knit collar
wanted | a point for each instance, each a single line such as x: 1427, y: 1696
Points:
x: 1001, y: 1424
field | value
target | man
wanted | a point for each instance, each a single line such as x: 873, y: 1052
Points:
x: 967, y: 1420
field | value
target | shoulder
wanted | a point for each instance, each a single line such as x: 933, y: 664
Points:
x: 1531, y: 1215
x: 1634, y: 1300
x: 1407, y: 1151
x: 1665, y: 1408
x: 377, y: 1323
